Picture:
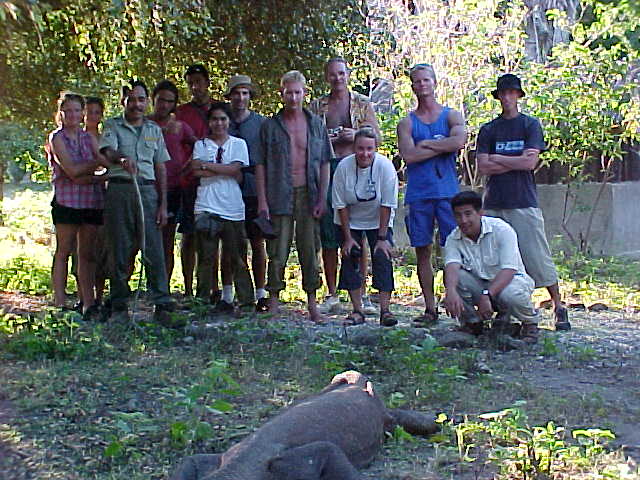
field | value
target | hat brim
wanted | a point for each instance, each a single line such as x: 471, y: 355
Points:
x: 252, y: 88
x: 495, y: 92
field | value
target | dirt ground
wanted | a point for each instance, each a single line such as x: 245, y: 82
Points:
x: 587, y: 377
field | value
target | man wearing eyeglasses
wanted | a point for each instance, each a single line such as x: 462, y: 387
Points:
x: 365, y: 196
x: 429, y: 139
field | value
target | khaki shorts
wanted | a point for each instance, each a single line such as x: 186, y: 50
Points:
x: 534, y: 248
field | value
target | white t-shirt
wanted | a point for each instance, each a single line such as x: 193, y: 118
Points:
x: 221, y: 194
x: 364, y: 190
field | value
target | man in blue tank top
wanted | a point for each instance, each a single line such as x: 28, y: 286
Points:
x: 507, y: 151
x: 429, y: 139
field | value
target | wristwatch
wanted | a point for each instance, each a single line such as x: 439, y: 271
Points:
x: 203, y: 166
x: 486, y: 292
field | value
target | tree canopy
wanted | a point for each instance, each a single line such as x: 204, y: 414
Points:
x: 93, y: 46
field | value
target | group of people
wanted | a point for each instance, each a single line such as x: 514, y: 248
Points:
x: 219, y: 172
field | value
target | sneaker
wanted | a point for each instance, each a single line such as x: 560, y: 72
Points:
x: 331, y: 304
x: 262, y: 305
x: 223, y: 307
x: 367, y: 307
x: 561, y: 315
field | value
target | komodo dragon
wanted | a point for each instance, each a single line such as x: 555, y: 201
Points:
x: 324, y: 437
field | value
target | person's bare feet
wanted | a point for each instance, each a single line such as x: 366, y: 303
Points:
x: 316, y: 317
x: 314, y: 313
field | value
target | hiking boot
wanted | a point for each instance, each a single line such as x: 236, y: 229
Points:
x: 223, y: 307
x: 561, y: 315
x: 529, y: 333
x: 331, y: 304
x: 367, y: 307
x: 216, y: 296
x: 262, y: 305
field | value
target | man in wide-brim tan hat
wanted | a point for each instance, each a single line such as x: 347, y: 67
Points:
x: 246, y: 124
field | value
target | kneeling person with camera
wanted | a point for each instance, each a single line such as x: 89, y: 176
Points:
x: 365, y: 196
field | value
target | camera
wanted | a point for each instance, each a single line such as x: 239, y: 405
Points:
x: 334, y: 131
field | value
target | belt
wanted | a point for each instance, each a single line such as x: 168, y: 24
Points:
x: 128, y: 180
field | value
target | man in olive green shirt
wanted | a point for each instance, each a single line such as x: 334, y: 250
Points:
x: 135, y: 149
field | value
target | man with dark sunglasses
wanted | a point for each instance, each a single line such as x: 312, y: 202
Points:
x: 429, y: 139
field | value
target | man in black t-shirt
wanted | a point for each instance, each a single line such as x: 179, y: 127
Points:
x: 508, y: 148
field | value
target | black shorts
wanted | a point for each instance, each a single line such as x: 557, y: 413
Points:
x: 173, y: 205
x: 250, y: 214
x: 74, y: 216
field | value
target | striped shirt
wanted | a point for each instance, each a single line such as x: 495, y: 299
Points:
x: 66, y: 191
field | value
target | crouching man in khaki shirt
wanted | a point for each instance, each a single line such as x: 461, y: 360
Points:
x: 484, y: 270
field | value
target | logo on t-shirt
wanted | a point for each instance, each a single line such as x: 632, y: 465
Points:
x: 514, y: 146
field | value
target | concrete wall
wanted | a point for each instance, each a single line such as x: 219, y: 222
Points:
x: 615, y: 229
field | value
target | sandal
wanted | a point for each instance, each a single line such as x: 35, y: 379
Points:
x: 529, y: 333
x: 387, y: 319
x: 429, y: 317
x: 353, y: 319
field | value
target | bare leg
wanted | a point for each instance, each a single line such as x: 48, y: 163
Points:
x: 554, y: 292
x: 356, y: 299
x: 65, y: 241
x: 364, y: 266
x: 330, y: 263
x: 168, y: 241
x: 87, y: 264
x: 314, y: 314
x: 385, y: 299
x: 188, y: 259
x: 425, y: 275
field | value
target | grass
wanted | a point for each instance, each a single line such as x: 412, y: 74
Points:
x: 99, y: 401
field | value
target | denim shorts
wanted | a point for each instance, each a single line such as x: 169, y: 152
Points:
x: 351, y: 277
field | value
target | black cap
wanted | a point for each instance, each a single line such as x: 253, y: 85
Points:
x: 506, y: 82
x: 193, y: 69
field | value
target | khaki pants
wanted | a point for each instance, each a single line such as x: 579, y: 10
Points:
x: 514, y: 299
x: 532, y: 242
x: 234, y: 242
x: 307, y: 232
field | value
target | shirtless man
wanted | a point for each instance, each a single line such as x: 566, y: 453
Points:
x: 343, y: 112
x: 429, y: 139
x: 292, y: 177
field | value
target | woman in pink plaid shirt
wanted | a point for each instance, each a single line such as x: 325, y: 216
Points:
x: 78, y: 198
